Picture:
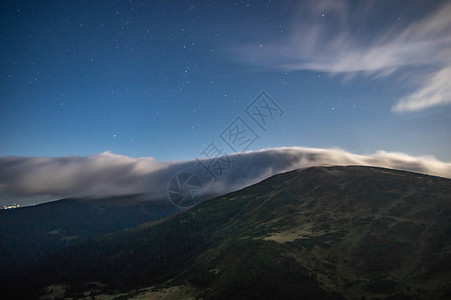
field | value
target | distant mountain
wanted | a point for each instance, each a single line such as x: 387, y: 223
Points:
x: 30, y: 234
x: 316, y: 233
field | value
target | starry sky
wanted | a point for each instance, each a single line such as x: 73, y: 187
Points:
x: 165, y: 78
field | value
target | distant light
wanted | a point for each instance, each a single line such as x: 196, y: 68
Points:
x: 11, y: 206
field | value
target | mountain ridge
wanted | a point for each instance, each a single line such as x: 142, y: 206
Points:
x: 314, y: 233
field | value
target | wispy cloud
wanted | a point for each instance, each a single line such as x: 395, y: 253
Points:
x: 325, y: 39
x: 109, y: 174
x: 435, y: 91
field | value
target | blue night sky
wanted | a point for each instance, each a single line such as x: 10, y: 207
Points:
x: 165, y: 78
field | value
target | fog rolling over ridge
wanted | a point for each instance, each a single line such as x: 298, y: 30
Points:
x: 27, y: 180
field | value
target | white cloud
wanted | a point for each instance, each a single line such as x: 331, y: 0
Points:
x: 436, y: 91
x: 323, y: 40
x: 109, y: 174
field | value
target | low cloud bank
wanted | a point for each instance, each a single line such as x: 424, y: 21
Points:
x: 107, y: 174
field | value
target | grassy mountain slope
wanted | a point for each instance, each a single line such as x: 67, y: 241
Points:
x: 317, y: 233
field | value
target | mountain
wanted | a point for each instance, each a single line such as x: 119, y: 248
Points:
x: 30, y: 234
x: 316, y: 233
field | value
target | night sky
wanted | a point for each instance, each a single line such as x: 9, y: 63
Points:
x: 166, y: 78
